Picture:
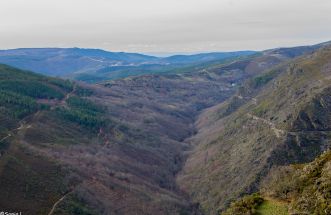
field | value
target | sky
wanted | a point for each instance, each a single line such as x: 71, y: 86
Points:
x: 164, y: 26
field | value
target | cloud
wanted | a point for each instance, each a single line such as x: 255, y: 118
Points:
x: 164, y: 26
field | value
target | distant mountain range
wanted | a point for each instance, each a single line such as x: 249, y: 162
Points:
x: 98, y: 65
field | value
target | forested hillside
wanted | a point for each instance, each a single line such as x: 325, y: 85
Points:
x: 21, y: 91
x: 96, y: 148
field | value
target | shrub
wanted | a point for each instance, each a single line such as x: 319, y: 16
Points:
x: 245, y: 206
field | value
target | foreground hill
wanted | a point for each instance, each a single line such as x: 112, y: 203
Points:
x: 279, y: 117
x: 294, y: 189
x: 95, y: 65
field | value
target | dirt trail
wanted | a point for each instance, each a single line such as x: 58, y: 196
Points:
x: 58, y: 202
x: 89, y: 182
x: 62, y: 102
x: 68, y: 95
x: 24, y: 125
x: 9, y: 135
x: 278, y: 132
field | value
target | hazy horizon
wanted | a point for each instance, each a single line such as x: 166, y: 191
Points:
x: 164, y: 27
x: 166, y: 54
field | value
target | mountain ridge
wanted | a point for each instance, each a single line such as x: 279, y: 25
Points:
x: 70, y: 62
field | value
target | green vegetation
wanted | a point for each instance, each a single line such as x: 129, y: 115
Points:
x: 245, y: 206
x: 307, y: 187
x: 80, y: 91
x: 263, y: 79
x: 32, y: 183
x: 63, y: 84
x: 262, y: 108
x: 83, y: 112
x: 19, y: 91
x: 11, y: 73
x: 84, y: 104
x: 73, y: 205
x: 255, y: 205
x: 269, y: 207
x: 33, y: 88
x: 16, y: 105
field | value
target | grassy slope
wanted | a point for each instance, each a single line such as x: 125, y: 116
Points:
x: 270, y: 207
x: 275, y: 121
x: 256, y: 205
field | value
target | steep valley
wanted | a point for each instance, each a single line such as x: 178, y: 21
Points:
x: 160, y: 144
x: 278, y: 118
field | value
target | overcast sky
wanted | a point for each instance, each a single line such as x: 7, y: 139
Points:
x: 164, y: 25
